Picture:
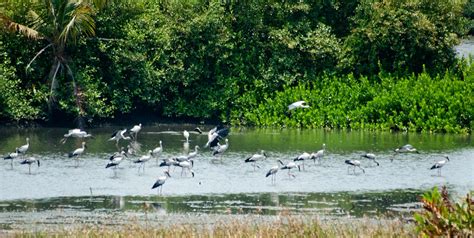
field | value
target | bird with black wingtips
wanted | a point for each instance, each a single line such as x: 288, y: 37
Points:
x: 354, y: 164
x: 289, y: 166
x: 30, y: 161
x: 186, y: 166
x: 118, y: 135
x: 12, y: 156
x: 302, y: 157
x: 273, y: 172
x: 118, y: 154
x: 143, y: 159
x: 371, y: 157
x: 255, y: 158
x: 160, y: 181
x: 77, y: 152
x: 168, y: 162
x: 438, y: 165
x: 215, y: 135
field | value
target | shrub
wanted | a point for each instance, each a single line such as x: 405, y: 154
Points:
x: 441, y: 217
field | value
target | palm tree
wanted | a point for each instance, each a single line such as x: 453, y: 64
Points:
x: 60, y: 24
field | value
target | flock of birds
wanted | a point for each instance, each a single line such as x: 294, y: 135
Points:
x: 215, y: 136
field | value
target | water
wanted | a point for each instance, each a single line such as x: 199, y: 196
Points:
x: 58, y: 189
x: 466, y: 48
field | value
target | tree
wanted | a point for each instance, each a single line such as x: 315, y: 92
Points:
x: 59, y: 24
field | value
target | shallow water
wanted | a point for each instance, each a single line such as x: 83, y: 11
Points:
x: 231, y: 186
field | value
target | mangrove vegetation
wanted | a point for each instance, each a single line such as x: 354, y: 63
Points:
x: 362, y: 64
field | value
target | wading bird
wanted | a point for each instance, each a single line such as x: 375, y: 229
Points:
x: 157, y: 151
x: 11, y: 156
x: 194, y: 153
x: 22, y: 149
x: 319, y: 154
x: 220, y: 149
x: 273, y: 172
x: 169, y: 162
x: 142, y: 160
x: 186, y: 166
x: 115, y: 161
x: 134, y: 131
x: 370, y: 156
x: 354, y: 164
x: 160, y: 181
x: 255, y: 158
x: 77, y: 152
x: 438, y: 165
x: 298, y: 104
x: 30, y: 161
x: 186, y: 136
x: 289, y: 166
x: 302, y: 158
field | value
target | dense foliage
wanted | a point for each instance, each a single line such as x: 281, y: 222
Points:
x: 442, y: 217
x: 415, y: 103
x: 226, y: 59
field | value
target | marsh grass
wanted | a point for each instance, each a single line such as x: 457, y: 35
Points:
x: 247, y: 226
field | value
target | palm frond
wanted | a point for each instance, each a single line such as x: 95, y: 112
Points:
x: 12, y: 26
x: 80, y: 23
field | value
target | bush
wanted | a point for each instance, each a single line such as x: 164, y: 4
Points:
x: 441, y: 217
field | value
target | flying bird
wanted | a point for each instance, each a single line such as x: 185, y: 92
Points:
x: 298, y: 104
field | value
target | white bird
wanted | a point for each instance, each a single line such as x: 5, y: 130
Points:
x: 75, y: 133
x: 406, y: 149
x: 302, y: 157
x: 220, y: 149
x: 157, y: 151
x: 186, y: 135
x: 298, y: 104
x: 194, y: 153
x: 273, y: 172
x: 22, y: 149
x: 118, y: 154
x: 438, y: 165
x: 215, y: 135
x: 289, y: 166
x: 370, y: 156
x: 160, y: 181
x: 354, y: 164
x: 12, y: 156
x: 319, y: 154
x: 169, y: 162
x: 77, y: 152
x: 118, y: 135
x: 30, y: 161
x: 142, y: 160
x: 135, y: 129
x: 115, y: 161
x: 255, y: 158
x: 186, y: 165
